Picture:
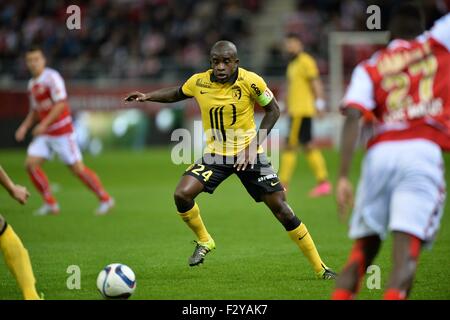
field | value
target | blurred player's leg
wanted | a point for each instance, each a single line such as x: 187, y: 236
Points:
x: 298, y: 232
x: 289, y: 157
x: 363, y: 252
x: 188, y: 188
x: 17, y: 260
x: 40, y: 181
x: 288, y: 164
x: 91, y: 180
x: 405, y: 254
x: 315, y: 160
x: 317, y: 164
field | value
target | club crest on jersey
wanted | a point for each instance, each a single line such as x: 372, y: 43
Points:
x: 236, y: 92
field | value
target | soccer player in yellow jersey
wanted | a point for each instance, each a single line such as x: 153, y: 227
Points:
x: 226, y: 95
x: 16, y: 256
x: 305, y: 98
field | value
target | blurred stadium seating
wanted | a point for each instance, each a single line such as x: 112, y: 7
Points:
x: 151, y: 43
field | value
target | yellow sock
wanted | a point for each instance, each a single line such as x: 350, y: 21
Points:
x: 288, y: 163
x: 302, y: 238
x: 18, y: 261
x: 195, y: 222
x: 317, y: 164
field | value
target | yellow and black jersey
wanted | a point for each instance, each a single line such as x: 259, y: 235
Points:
x: 300, y: 95
x: 227, y: 109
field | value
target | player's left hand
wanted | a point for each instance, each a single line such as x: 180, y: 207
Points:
x: 39, y: 129
x: 246, y: 157
x: 20, y: 193
x: 344, y: 197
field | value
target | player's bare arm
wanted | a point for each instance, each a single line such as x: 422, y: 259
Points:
x: 164, y: 95
x: 317, y: 86
x: 18, y: 192
x: 249, y: 154
x: 27, y: 123
x: 344, y: 190
x: 57, y: 109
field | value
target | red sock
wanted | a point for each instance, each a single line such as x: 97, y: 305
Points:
x: 40, y: 181
x: 394, y: 294
x: 342, y: 294
x: 91, y: 180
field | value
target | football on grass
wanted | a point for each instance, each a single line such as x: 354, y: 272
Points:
x: 116, y: 281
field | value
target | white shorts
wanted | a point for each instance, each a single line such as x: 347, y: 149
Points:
x: 65, y: 146
x: 402, y: 188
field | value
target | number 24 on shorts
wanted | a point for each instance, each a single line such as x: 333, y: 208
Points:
x: 198, y: 171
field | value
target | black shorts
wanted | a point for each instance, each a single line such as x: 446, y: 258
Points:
x: 211, y: 170
x: 300, y: 130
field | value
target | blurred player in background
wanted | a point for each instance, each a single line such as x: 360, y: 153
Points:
x: 402, y: 186
x: 54, y: 133
x: 15, y: 254
x: 226, y: 96
x: 305, y: 98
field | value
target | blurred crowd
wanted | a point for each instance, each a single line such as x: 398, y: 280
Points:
x: 313, y: 20
x: 121, y: 39
x: 149, y: 39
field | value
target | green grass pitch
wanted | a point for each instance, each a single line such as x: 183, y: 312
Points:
x: 254, y: 259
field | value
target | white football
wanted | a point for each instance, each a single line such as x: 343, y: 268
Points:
x: 116, y: 281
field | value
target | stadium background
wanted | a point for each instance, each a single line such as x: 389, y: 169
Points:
x: 128, y: 45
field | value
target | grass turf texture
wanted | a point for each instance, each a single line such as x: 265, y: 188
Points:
x: 254, y: 259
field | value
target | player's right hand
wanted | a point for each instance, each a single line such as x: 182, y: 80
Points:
x: 135, y: 96
x: 344, y: 197
x: 20, y: 134
x: 20, y: 193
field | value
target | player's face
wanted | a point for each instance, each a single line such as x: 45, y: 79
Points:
x: 293, y: 46
x: 224, y: 65
x: 35, y: 62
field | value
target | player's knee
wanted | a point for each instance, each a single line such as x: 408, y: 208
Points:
x: 30, y: 164
x: 285, y: 215
x: 182, y: 197
x: 77, y: 168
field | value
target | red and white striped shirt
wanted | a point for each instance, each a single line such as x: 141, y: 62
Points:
x: 405, y: 87
x: 45, y: 92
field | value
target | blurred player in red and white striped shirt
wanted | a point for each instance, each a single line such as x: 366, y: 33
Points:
x: 54, y: 133
x: 405, y: 88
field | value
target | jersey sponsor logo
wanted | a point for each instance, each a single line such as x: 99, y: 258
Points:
x: 200, y: 83
x: 256, y: 89
x: 236, y: 92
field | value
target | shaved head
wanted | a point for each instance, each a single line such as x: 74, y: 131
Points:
x: 224, y: 47
x: 224, y: 60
